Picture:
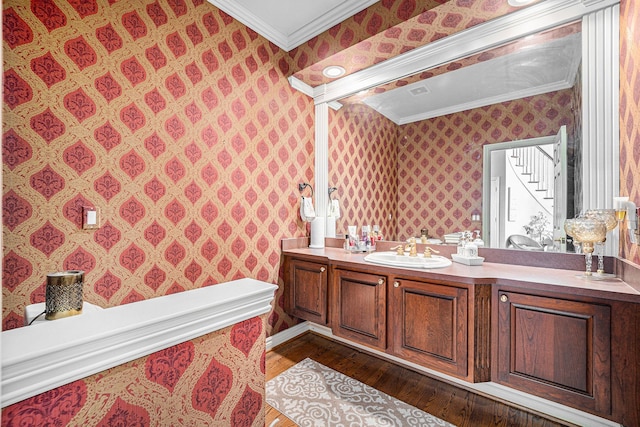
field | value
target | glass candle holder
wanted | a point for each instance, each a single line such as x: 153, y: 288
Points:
x: 589, y: 231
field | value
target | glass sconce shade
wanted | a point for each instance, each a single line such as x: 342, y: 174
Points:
x: 620, y: 207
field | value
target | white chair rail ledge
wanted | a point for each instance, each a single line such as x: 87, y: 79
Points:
x: 41, y: 357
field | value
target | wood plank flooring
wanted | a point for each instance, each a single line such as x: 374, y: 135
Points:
x: 453, y: 404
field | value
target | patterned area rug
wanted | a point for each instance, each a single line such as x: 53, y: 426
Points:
x: 310, y: 394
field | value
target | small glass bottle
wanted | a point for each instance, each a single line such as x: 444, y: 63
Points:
x: 365, y: 237
x: 376, y: 232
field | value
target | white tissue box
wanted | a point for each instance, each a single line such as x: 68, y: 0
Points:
x: 467, y: 260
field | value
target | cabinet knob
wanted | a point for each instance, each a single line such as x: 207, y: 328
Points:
x: 381, y: 281
x: 504, y: 298
x: 323, y: 269
x: 396, y: 284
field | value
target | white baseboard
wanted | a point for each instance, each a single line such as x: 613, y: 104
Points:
x: 488, y: 389
x: 287, y: 334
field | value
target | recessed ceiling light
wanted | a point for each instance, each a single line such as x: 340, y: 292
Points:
x: 333, y: 71
x: 519, y: 3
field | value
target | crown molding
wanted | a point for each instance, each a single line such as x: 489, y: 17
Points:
x: 538, y: 17
x: 322, y: 23
x: 301, y: 86
x: 252, y: 21
x: 306, y: 31
x: 537, y: 90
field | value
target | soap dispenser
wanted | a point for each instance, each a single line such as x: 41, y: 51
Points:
x: 478, y: 240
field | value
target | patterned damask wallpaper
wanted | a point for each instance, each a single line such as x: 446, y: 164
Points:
x: 440, y: 159
x: 217, y: 379
x: 388, y: 29
x: 178, y: 123
x: 630, y: 112
x: 365, y: 24
x: 363, y: 167
x: 170, y: 117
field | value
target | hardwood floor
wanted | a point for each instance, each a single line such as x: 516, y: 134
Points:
x: 453, y: 404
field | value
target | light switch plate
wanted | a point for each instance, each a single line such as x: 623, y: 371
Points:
x: 90, y: 218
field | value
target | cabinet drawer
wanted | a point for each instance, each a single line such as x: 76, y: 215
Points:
x: 557, y: 349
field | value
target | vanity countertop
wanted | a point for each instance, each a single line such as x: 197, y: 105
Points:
x: 519, y: 276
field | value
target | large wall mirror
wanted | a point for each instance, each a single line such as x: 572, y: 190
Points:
x: 404, y: 142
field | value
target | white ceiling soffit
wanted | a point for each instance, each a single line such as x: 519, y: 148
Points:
x: 531, y: 71
x: 289, y: 23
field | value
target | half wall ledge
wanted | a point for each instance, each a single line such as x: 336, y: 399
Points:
x: 41, y: 357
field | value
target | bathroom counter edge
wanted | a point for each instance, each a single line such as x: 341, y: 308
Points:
x: 543, y: 278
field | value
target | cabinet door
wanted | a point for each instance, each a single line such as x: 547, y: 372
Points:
x: 556, y: 349
x: 308, y: 291
x: 361, y: 307
x: 429, y: 325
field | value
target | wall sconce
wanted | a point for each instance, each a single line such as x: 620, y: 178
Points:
x: 632, y: 222
x: 475, y: 217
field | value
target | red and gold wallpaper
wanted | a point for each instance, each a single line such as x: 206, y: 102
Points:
x: 630, y: 112
x: 178, y: 123
x: 375, y: 19
x: 363, y: 167
x: 217, y: 379
x: 171, y: 118
x: 391, y: 28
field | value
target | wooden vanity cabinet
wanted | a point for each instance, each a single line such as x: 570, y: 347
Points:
x: 306, y: 296
x: 578, y: 350
x: 360, y: 307
x: 554, y: 348
x: 442, y: 326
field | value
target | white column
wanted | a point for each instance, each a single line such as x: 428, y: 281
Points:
x: 321, y: 185
x: 600, y: 172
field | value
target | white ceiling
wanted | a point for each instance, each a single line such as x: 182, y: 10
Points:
x: 531, y: 71
x: 289, y: 23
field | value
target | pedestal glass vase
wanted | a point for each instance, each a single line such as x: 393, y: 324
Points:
x: 608, y: 216
x: 589, y: 231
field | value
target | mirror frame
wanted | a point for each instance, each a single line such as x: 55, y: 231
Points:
x: 600, y: 73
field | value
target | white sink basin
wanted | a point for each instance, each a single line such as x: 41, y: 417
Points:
x: 393, y: 259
